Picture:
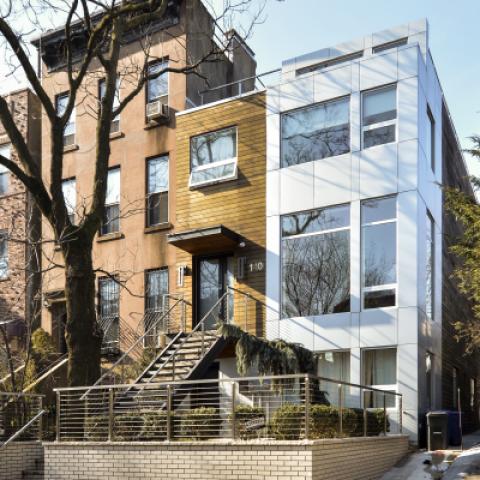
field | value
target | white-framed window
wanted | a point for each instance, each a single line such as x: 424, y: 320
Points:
x: 213, y: 157
x: 157, y: 190
x: 111, y: 219
x: 430, y: 139
x: 69, y: 189
x: 334, y: 364
x: 70, y: 128
x: 379, y: 116
x: 3, y: 254
x: 115, y: 126
x: 430, y: 268
x: 316, y: 262
x: 379, y: 370
x: 379, y: 252
x: 5, y: 151
x: 109, y: 312
x: 157, y: 87
x: 315, y: 132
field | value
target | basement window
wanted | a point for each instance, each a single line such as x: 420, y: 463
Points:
x: 213, y: 157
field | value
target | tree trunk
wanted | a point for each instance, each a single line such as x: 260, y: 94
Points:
x: 83, y: 333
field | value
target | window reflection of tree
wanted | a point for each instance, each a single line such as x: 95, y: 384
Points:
x: 316, y: 274
x: 315, y: 133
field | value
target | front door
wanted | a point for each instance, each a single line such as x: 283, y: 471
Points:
x: 214, y: 275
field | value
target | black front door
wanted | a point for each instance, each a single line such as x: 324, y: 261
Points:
x: 213, y: 276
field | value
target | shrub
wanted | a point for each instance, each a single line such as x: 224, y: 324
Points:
x: 245, y: 414
x: 128, y: 427
x: 200, y: 423
x: 288, y: 422
x: 155, y: 426
x: 96, y: 428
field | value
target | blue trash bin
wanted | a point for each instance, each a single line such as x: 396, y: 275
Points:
x: 454, y: 430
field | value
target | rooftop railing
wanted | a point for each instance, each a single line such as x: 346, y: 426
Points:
x: 289, y: 407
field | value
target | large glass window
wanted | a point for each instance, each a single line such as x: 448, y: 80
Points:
x: 430, y: 139
x: 213, y: 157
x: 430, y: 267
x: 157, y: 190
x: 3, y: 254
x: 429, y: 379
x: 379, y: 252
x: 115, y: 126
x: 379, y: 370
x: 316, y: 262
x: 379, y: 116
x: 315, y: 132
x: 69, y: 131
x: 109, y: 308
x: 5, y: 151
x: 111, y: 219
x: 334, y: 365
x: 157, y: 86
x: 69, y: 188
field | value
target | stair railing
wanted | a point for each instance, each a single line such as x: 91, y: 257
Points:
x: 130, y: 349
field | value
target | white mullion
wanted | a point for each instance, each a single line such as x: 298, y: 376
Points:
x: 319, y: 232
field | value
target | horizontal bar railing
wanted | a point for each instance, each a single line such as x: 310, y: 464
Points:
x: 20, y: 416
x: 286, y: 407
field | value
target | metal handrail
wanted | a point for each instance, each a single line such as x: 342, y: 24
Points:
x: 47, y: 372
x: 25, y: 427
x: 132, y: 347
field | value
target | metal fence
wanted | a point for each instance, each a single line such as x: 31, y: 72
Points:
x: 20, y: 417
x: 291, y: 407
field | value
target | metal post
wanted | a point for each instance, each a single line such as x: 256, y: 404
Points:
x: 203, y: 338
x: 400, y: 419
x: 57, y: 420
x: 384, y: 413
x: 365, y: 417
x: 340, y: 409
x: 169, y: 412
x: 307, y: 407
x: 246, y: 312
x: 40, y: 420
x: 227, y: 309
x: 173, y: 367
x: 110, y: 414
x: 234, y: 426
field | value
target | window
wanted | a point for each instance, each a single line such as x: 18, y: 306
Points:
x: 213, y: 157
x: 315, y: 132
x: 430, y: 139
x: 472, y: 393
x: 5, y: 151
x: 334, y: 365
x: 157, y: 87
x: 379, y: 370
x: 379, y: 116
x: 111, y: 219
x: 430, y: 268
x: 157, y: 190
x: 429, y: 379
x: 455, y: 387
x: 115, y: 126
x: 156, y: 287
x: 316, y: 262
x: 69, y: 189
x: 379, y: 252
x: 389, y: 45
x: 3, y: 254
x: 109, y: 308
x: 69, y: 131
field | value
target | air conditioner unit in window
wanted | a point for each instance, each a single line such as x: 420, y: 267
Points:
x: 157, y: 111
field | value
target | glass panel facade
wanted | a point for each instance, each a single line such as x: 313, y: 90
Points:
x: 316, y: 262
x: 430, y: 139
x: 379, y: 370
x: 429, y: 267
x: 315, y: 132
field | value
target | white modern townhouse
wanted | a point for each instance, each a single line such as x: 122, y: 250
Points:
x: 359, y: 144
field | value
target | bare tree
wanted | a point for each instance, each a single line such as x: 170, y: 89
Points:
x: 104, y: 25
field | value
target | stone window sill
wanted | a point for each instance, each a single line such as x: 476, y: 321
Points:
x: 4, y: 279
x: 70, y: 148
x: 115, y: 135
x: 158, y: 228
x: 110, y: 236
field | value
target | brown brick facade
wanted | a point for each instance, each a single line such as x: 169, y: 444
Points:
x: 20, y: 220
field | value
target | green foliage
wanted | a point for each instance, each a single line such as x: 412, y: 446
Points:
x: 132, y: 371
x: 245, y: 414
x: 275, y: 357
x: 42, y: 343
x: 155, y: 426
x: 466, y: 247
x: 200, y: 423
x: 288, y: 422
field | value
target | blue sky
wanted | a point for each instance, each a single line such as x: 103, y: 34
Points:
x: 294, y: 27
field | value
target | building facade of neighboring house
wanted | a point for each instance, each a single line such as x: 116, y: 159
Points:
x: 141, y: 198
x: 19, y: 225
x: 358, y: 146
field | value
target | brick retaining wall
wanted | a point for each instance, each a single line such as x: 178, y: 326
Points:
x: 17, y: 457
x: 348, y: 459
